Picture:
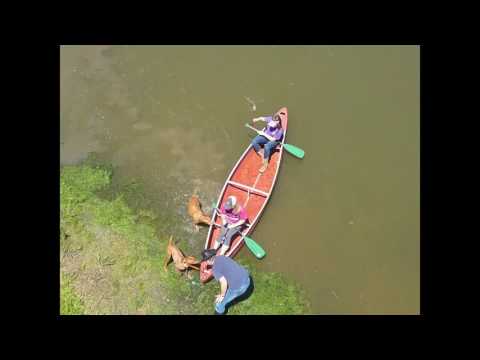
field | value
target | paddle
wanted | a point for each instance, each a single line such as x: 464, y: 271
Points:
x: 256, y: 249
x: 292, y: 149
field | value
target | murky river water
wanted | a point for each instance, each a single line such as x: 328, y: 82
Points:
x: 343, y: 222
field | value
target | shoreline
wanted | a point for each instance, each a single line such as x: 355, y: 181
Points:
x: 112, y: 251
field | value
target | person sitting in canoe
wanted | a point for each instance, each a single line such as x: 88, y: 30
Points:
x: 269, y: 138
x: 233, y: 217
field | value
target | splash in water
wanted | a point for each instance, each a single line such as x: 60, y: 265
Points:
x: 254, y: 107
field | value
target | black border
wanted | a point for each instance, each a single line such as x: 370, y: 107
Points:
x: 48, y: 287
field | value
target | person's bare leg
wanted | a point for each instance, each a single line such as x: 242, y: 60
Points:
x: 224, y: 249
x: 221, y: 237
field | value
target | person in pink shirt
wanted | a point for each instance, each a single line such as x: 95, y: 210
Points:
x: 233, y: 217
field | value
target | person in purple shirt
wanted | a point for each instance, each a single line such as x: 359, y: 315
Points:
x: 234, y: 279
x: 269, y: 138
x: 233, y: 217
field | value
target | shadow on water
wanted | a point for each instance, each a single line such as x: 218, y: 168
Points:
x: 242, y: 297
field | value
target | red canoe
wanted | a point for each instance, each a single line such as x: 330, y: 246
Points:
x: 252, y: 190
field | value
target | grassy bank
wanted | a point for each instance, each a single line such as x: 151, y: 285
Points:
x: 70, y: 303
x: 112, y: 252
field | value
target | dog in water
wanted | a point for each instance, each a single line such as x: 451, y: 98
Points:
x: 182, y: 262
x: 194, y: 209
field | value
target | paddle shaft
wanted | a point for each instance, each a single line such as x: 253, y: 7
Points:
x: 260, y: 132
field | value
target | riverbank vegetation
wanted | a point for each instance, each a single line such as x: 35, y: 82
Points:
x: 112, y: 253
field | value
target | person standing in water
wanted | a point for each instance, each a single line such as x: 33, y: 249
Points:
x: 269, y: 138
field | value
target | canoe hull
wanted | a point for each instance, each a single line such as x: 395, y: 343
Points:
x: 252, y: 190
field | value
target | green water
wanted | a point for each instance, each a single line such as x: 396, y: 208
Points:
x: 343, y: 222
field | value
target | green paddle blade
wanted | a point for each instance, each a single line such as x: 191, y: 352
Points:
x: 292, y: 149
x: 256, y: 249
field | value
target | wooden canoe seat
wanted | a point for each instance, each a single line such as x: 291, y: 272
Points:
x: 248, y: 188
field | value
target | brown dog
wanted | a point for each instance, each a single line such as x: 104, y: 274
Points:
x: 181, y: 261
x: 195, y: 211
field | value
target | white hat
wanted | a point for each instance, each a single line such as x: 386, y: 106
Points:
x: 230, y: 203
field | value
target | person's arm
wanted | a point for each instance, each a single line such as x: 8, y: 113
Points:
x: 243, y: 218
x: 222, y: 215
x: 270, y: 138
x: 224, y: 221
x: 223, y: 289
x: 279, y: 135
x: 238, y: 223
x: 265, y: 119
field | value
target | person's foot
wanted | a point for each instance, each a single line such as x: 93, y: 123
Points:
x: 264, y: 166
x: 217, y: 313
